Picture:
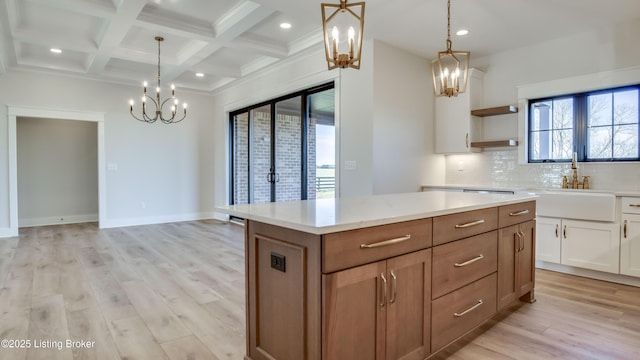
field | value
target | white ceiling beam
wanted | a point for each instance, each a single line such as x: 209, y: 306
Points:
x: 239, y: 19
x: 111, y: 36
x: 262, y: 46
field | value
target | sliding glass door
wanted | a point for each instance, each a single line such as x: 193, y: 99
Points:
x: 275, y: 146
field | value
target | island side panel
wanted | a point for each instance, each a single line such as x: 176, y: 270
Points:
x: 283, y: 293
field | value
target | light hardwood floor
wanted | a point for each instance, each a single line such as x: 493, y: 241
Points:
x: 176, y: 291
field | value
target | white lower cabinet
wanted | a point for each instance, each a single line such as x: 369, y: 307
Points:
x: 548, y: 240
x: 584, y: 244
x: 630, y: 245
x: 591, y: 245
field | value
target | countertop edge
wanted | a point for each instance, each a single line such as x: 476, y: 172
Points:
x: 322, y: 230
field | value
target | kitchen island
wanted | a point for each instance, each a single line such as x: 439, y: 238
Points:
x: 382, y: 277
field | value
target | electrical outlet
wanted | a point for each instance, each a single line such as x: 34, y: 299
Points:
x: 279, y: 262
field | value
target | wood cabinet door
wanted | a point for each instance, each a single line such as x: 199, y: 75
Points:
x: 630, y: 245
x: 525, y: 261
x: 508, y: 243
x: 409, y: 306
x: 355, y: 308
x: 516, y: 270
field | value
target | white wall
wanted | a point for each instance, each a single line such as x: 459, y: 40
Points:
x: 169, y: 167
x: 403, y: 125
x: 57, y: 171
x: 598, y: 51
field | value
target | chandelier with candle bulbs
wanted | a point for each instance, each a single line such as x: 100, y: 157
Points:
x: 339, y: 20
x: 157, y: 105
x: 450, y: 69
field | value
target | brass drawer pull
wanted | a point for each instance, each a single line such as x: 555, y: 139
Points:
x: 385, y: 242
x: 479, y: 257
x: 517, y: 213
x: 469, y: 309
x: 394, y: 280
x: 469, y: 224
x: 634, y: 205
x: 383, y: 291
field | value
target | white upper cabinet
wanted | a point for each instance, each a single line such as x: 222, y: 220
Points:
x: 455, y: 128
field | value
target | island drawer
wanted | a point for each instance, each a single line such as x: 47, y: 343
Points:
x: 461, y: 262
x: 462, y: 310
x: 351, y: 248
x: 516, y: 213
x: 452, y: 227
x: 630, y: 205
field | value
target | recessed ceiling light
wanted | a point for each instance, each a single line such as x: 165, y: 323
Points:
x: 199, y: 74
x: 462, y: 32
x: 56, y: 51
x: 285, y: 25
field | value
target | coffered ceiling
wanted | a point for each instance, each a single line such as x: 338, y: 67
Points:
x: 227, y: 40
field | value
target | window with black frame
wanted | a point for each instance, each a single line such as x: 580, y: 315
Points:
x: 598, y: 126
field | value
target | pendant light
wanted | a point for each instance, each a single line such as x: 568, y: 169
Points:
x: 343, y: 25
x: 450, y: 69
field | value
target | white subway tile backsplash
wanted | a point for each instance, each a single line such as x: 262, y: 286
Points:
x: 501, y: 169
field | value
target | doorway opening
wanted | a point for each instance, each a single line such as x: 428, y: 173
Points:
x: 32, y: 112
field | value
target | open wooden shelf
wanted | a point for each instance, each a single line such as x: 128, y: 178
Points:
x: 500, y: 110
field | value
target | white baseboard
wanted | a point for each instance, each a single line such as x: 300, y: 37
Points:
x: 113, y: 223
x: 8, y: 232
x: 57, y: 220
x: 221, y: 216
x: 598, y: 275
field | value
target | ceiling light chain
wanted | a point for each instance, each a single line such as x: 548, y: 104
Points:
x: 158, y: 105
x: 450, y: 69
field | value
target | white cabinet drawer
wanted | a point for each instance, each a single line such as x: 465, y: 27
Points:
x: 631, y: 205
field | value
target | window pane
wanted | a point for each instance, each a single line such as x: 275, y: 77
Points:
x: 600, y: 140
x: 562, y: 144
x: 241, y: 158
x: 625, y: 141
x: 563, y: 114
x: 626, y: 107
x: 541, y: 119
x: 288, y: 149
x: 260, y: 164
x: 600, y: 110
x: 322, y: 144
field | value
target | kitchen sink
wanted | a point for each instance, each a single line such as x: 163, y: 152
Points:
x: 576, y: 204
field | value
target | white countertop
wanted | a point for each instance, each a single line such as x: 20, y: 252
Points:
x: 325, y: 216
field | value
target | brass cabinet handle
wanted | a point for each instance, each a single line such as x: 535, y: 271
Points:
x: 634, y: 205
x: 385, y: 242
x: 469, y: 224
x: 394, y: 280
x: 564, y: 231
x: 469, y: 309
x: 557, y: 226
x: 624, y: 230
x: 477, y: 258
x: 383, y: 299
x: 522, y: 240
x: 516, y: 240
x: 517, y: 213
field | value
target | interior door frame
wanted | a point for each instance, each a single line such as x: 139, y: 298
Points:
x: 47, y: 113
